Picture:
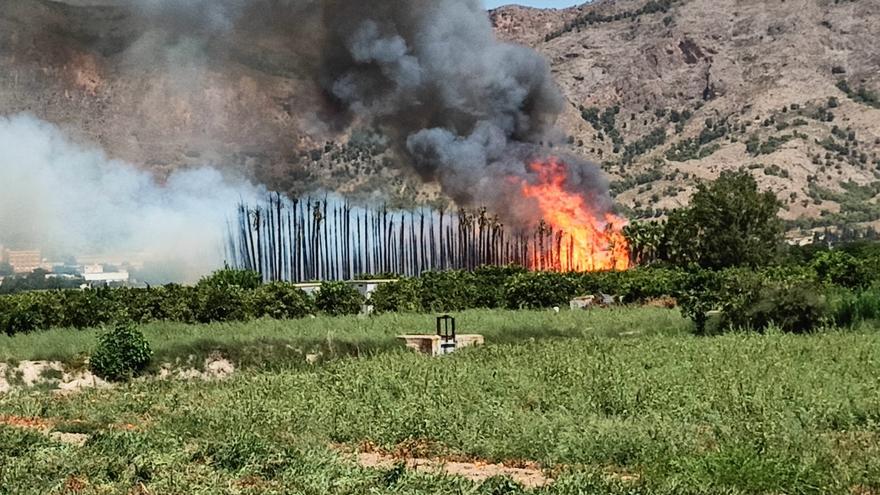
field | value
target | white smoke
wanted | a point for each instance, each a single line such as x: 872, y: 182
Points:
x: 71, y: 200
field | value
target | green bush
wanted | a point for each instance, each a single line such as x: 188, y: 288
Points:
x: 244, y: 279
x: 535, y: 290
x: 490, y: 282
x: 798, y: 308
x: 220, y: 304
x: 281, y: 301
x: 848, y: 308
x: 448, y: 291
x: 751, y: 301
x: 121, y: 354
x: 403, y: 295
x: 87, y: 308
x: 842, y: 269
x: 338, y: 299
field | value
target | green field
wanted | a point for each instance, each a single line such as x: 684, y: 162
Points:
x: 608, y: 401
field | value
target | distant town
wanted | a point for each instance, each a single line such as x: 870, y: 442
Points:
x: 81, y: 271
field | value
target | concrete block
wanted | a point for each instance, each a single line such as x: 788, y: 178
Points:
x: 430, y: 344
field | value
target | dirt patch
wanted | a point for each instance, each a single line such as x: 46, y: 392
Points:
x: 52, y: 375
x: 475, y: 471
x: 40, y: 424
x: 49, y: 374
x: 215, y: 367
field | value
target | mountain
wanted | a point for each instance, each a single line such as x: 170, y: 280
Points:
x: 663, y: 93
x: 660, y: 93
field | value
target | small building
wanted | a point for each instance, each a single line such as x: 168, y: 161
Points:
x: 24, y: 261
x: 121, y: 277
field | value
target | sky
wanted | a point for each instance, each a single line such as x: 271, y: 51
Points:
x: 544, y: 4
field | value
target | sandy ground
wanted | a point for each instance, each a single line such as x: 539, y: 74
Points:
x: 53, y: 375
x: 474, y: 471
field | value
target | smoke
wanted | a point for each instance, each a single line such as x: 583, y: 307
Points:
x: 462, y: 109
x: 71, y: 200
x: 466, y: 110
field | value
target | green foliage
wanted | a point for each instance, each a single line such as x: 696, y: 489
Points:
x: 848, y: 308
x: 728, y: 223
x: 228, y: 277
x: 281, y: 301
x: 861, y: 95
x: 535, y: 290
x: 641, y: 146
x: 448, y: 291
x: 593, y: 17
x: 842, y: 269
x: 403, y: 295
x: 121, y: 354
x: 746, y: 299
x: 339, y: 298
x: 222, y: 303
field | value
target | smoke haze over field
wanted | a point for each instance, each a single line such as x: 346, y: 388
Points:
x: 72, y: 200
x: 460, y: 109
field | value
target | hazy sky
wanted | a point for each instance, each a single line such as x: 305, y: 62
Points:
x: 556, y: 4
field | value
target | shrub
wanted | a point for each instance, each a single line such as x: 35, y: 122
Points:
x: 122, y: 353
x: 750, y: 300
x: 281, y: 301
x: 339, y: 298
x: 177, y: 303
x: 219, y: 303
x: 403, y: 295
x: 840, y: 268
x: 536, y: 290
x: 245, y: 279
x: 448, y: 291
x: 796, y: 308
x: 29, y: 311
x: 87, y: 308
x: 490, y: 281
x: 848, y: 308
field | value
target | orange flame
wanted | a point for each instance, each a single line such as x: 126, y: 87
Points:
x: 580, y: 238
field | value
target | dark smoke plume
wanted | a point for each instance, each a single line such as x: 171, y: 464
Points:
x: 461, y: 108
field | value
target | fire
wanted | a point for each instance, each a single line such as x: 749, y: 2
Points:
x: 578, y: 237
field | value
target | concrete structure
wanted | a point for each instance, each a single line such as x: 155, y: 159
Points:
x: 430, y: 344
x: 365, y: 287
x: 25, y: 261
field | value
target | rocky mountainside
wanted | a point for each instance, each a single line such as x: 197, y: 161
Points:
x: 661, y: 93
x: 666, y: 92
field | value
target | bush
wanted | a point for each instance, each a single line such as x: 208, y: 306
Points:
x: 535, y: 290
x: 122, y: 353
x: 403, y: 295
x: 490, y: 282
x: 797, y: 308
x: 87, y: 308
x: 448, y: 291
x: 31, y: 311
x: 281, y: 301
x: 338, y: 299
x: 218, y: 303
x: 842, y: 269
x: 848, y: 308
x: 750, y: 300
x: 245, y: 279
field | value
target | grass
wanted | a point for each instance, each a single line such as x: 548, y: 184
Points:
x: 603, y: 409
x: 272, y: 343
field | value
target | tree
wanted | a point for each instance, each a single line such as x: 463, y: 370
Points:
x: 729, y: 223
x: 644, y: 240
x: 5, y: 269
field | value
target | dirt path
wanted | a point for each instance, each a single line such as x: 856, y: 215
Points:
x: 474, y: 471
